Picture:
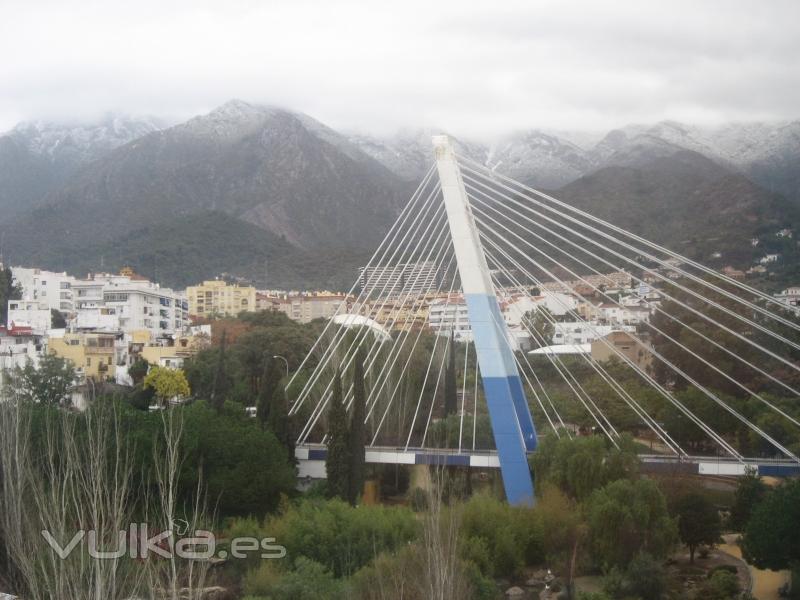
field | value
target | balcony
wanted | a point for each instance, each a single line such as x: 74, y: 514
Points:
x: 96, y: 350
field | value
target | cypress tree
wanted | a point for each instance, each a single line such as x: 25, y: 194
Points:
x: 8, y: 291
x: 357, y: 431
x: 278, y: 422
x: 270, y: 381
x: 220, y: 388
x: 450, y: 385
x: 337, y: 464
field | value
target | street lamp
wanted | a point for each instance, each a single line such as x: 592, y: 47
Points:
x: 286, y: 362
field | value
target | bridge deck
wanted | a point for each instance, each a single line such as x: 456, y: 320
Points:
x: 312, y: 461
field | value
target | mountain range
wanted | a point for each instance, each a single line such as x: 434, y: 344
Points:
x: 769, y: 154
x: 273, y: 195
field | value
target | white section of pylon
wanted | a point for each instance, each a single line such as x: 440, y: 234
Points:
x: 472, y: 265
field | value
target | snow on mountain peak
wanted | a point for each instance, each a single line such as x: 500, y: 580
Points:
x: 81, y: 141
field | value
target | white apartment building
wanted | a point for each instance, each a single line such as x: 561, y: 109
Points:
x: 446, y: 315
x: 391, y: 280
x: 517, y: 306
x: 18, y: 346
x: 45, y: 287
x: 615, y: 314
x: 575, y: 333
x: 790, y: 297
x: 128, y: 303
x: 769, y: 258
x: 29, y: 313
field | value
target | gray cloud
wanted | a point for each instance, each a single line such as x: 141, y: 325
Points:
x: 474, y: 68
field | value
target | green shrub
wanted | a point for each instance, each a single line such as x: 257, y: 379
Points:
x: 512, y: 537
x: 418, y: 499
x: 580, y: 465
x: 626, y: 518
x: 722, y: 585
x: 245, y: 469
x: 308, y: 580
x: 729, y: 568
x: 483, y: 587
x: 593, y: 596
x: 646, y: 578
x: 261, y: 580
x: 475, y: 550
x: 239, y: 527
x: 340, y: 537
x: 318, y: 489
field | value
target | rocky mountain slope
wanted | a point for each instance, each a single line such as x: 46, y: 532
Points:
x: 276, y: 196
x: 769, y: 154
x: 409, y: 154
x: 38, y: 156
x: 534, y: 157
x: 686, y: 202
x: 539, y: 159
x: 297, y: 181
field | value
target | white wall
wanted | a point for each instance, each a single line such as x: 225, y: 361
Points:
x: 32, y: 313
x: 53, y: 289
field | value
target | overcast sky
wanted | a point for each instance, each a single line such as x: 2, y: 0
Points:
x: 476, y: 69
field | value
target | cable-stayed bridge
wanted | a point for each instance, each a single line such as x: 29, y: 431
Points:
x: 489, y: 236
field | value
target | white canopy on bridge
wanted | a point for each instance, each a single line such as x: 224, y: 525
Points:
x: 350, y: 320
x: 563, y: 349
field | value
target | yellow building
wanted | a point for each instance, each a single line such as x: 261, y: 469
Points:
x: 217, y: 298
x: 173, y: 353
x: 94, y: 355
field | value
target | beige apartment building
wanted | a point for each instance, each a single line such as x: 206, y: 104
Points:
x: 218, y: 298
x: 399, y: 316
x: 306, y: 308
x: 625, y: 344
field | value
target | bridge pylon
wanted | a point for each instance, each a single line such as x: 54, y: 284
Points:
x: 512, y: 424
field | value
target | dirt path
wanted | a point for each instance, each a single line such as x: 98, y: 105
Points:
x: 765, y: 583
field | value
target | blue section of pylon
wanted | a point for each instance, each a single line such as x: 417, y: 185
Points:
x: 495, y: 358
x: 523, y: 413
x: 508, y: 440
x: 512, y: 424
